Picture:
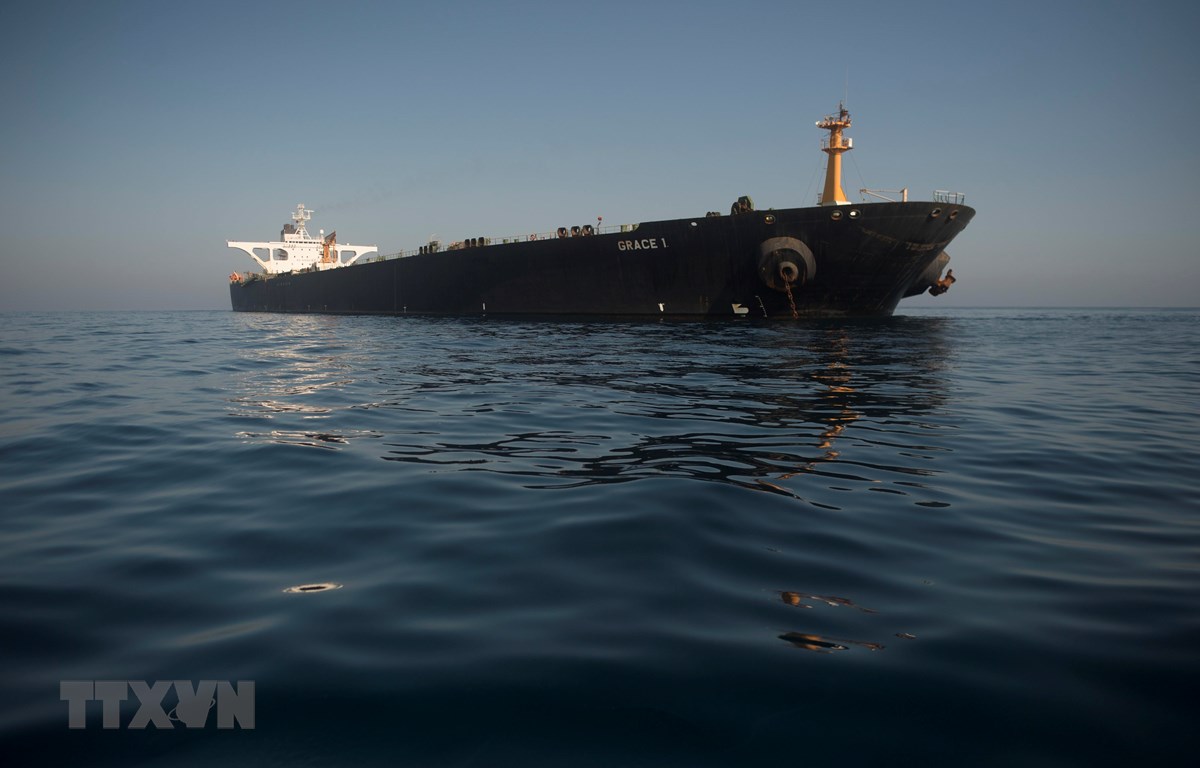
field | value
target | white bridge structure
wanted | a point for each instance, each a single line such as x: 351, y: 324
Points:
x: 296, y: 250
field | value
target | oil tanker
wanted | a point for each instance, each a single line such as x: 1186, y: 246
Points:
x: 836, y: 258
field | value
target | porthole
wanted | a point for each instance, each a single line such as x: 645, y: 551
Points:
x: 953, y: 214
x: 770, y: 218
x: 835, y: 215
x: 935, y: 213
x: 694, y: 224
x: 854, y: 214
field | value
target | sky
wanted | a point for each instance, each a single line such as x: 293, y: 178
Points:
x: 137, y: 137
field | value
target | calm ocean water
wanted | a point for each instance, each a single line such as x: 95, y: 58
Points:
x: 955, y: 537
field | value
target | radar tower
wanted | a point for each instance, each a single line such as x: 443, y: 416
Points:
x: 302, y: 215
x: 834, y: 146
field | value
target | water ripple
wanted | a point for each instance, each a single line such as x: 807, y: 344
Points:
x: 547, y: 535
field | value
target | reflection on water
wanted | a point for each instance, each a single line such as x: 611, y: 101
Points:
x: 325, y: 440
x: 547, y: 532
x: 826, y: 644
x: 798, y: 600
x: 766, y: 408
x: 756, y: 407
x: 822, y: 644
x: 304, y: 589
x: 817, y: 413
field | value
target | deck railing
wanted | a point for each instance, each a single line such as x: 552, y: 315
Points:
x: 481, y: 242
x: 946, y: 196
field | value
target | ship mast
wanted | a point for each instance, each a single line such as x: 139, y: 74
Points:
x: 834, y: 146
x: 302, y: 215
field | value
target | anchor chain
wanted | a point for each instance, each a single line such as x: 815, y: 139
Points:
x: 787, y: 284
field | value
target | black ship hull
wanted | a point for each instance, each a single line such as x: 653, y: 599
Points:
x: 849, y: 260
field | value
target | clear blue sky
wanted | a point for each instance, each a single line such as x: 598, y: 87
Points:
x: 138, y: 136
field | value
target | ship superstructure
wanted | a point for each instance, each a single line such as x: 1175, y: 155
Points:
x: 297, y: 251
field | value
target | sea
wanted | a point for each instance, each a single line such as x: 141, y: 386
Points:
x: 953, y: 537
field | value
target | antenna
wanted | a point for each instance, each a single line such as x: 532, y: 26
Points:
x: 301, y: 215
